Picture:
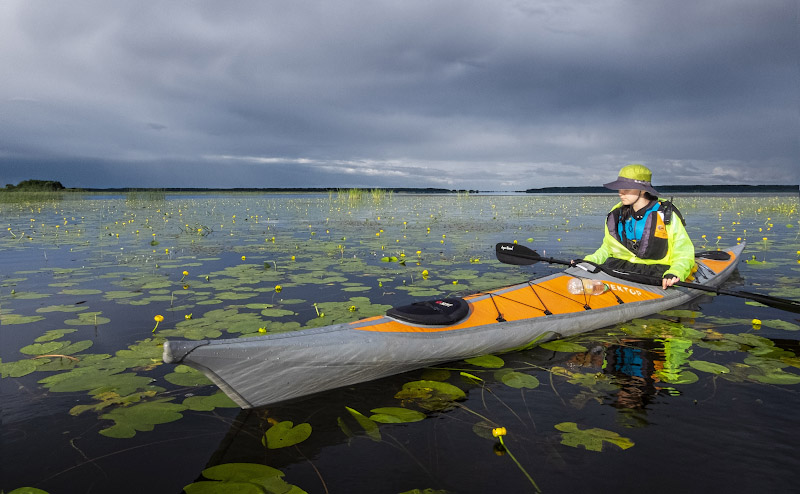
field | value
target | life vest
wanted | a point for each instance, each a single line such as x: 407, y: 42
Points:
x: 644, y: 233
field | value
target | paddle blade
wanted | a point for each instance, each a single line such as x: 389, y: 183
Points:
x: 509, y: 253
x: 775, y: 302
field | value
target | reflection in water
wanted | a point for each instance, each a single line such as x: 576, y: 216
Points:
x: 633, y: 366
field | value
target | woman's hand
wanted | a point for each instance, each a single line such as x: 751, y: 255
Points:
x: 668, y: 280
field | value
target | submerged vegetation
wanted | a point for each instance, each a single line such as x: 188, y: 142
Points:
x: 91, y: 289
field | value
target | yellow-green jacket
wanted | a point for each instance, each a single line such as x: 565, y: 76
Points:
x: 680, y: 252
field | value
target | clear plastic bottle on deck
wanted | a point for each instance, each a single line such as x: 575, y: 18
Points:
x: 577, y: 286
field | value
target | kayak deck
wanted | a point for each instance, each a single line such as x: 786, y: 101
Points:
x: 262, y: 370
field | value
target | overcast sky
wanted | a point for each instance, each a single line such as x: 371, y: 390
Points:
x: 488, y: 95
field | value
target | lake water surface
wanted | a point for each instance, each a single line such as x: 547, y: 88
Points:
x: 698, y: 399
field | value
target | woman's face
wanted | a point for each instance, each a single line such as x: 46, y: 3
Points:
x: 629, y: 196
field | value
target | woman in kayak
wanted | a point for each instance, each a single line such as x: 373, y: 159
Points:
x: 643, y: 234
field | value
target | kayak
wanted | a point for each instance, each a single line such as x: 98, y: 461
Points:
x: 263, y: 370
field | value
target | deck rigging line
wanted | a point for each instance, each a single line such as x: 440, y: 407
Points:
x: 544, y: 310
x: 500, y: 317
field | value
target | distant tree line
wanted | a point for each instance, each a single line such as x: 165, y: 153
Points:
x: 36, y: 185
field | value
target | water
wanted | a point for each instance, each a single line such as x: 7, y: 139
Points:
x: 98, y: 277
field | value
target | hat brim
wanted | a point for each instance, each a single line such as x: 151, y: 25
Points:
x: 629, y: 183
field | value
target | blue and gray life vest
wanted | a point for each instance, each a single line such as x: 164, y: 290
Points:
x: 643, y: 232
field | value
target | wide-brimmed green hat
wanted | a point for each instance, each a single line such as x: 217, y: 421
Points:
x: 635, y: 177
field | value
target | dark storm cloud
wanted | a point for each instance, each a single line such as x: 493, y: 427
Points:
x: 486, y: 95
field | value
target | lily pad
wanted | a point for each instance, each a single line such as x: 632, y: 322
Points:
x: 53, y: 334
x: 591, y: 439
x: 86, y: 291
x: 285, y: 434
x: 516, y: 379
x: 95, y: 381
x: 563, y: 346
x: 29, y: 295
x: 709, y: 367
x: 273, y: 312
x: 142, y: 417
x: 369, y: 426
x: 187, y: 376
x: 61, y: 308
x: 242, y: 478
x: 488, y: 361
x: 431, y: 395
x: 776, y: 376
x: 88, y: 319
x: 111, y: 398
x: 9, y: 319
x: 396, y: 415
x: 43, y: 348
x: 779, y: 324
x: 209, y: 403
x: 19, y: 368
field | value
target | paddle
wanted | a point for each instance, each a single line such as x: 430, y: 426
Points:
x: 520, y: 255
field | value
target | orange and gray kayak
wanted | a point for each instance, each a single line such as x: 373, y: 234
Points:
x: 268, y: 369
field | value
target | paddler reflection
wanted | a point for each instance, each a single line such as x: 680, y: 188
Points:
x: 641, y: 368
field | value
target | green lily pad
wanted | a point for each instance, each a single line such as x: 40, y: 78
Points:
x: 488, y: 361
x: 9, y: 319
x: 369, y: 426
x: 141, y: 418
x: 121, y: 295
x: 88, y: 319
x: 516, y: 379
x: 53, y: 334
x: 242, y: 478
x: 29, y: 295
x: 750, y: 339
x: 18, y: 368
x: 687, y: 314
x: 77, y: 347
x: 61, y: 308
x: 431, y: 395
x: 709, y: 367
x: 187, y: 376
x: 111, y: 398
x: 776, y: 376
x: 209, y: 403
x: 719, y: 345
x: 285, y: 434
x: 563, y: 346
x: 273, y: 312
x: 779, y: 324
x: 396, y: 415
x: 94, y: 381
x: 591, y: 439
x: 86, y: 291
x: 43, y: 348
x: 235, y: 295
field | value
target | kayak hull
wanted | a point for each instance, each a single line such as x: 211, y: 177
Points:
x: 263, y: 370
